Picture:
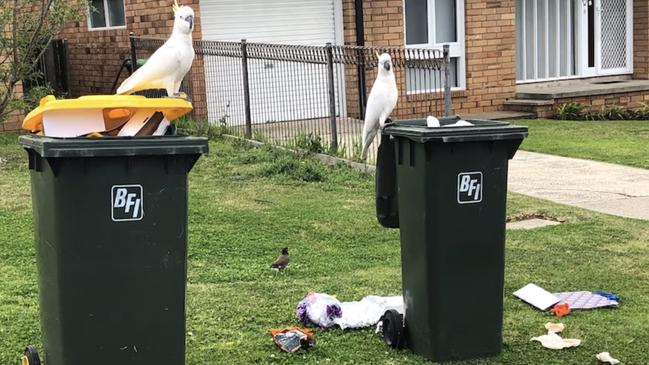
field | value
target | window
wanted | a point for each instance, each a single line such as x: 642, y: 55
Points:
x: 431, y: 24
x: 106, y: 14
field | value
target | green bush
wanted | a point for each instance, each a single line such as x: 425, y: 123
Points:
x: 32, y: 98
x: 612, y: 112
x: 309, y: 142
x: 201, y: 128
x: 34, y: 95
x: 357, y: 148
x: 295, y: 168
x: 571, y: 111
x: 642, y: 112
x: 259, y: 136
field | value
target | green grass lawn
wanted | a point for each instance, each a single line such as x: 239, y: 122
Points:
x: 620, y: 142
x: 246, y: 204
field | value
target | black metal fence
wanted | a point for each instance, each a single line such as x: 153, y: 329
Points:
x: 304, y: 96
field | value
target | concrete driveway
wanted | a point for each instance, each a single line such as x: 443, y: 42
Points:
x: 598, y: 186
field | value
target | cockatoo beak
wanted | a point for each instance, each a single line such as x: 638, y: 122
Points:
x: 190, y: 19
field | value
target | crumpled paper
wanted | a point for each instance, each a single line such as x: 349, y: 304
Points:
x: 606, y: 357
x: 291, y: 339
x: 554, y: 327
x: 553, y: 341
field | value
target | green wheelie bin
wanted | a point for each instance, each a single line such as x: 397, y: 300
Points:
x: 445, y: 188
x: 110, y: 219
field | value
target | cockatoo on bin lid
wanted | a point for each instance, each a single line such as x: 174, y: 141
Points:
x: 381, y: 102
x: 169, y: 64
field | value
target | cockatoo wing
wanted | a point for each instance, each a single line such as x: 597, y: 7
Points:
x: 159, y: 72
x: 380, y: 104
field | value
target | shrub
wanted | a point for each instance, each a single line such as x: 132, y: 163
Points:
x: 295, y: 168
x: 571, y: 111
x: 642, y: 112
x: 33, y: 97
x: 259, y: 136
x: 309, y: 142
x: 612, y: 112
x: 357, y: 148
x: 201, y: 128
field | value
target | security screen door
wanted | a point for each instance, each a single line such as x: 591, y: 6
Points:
x: 614, y: 36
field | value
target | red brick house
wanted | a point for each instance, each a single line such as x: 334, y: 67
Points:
x: 506, y: 55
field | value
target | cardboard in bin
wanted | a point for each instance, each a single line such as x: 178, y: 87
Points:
x: 103, y: 113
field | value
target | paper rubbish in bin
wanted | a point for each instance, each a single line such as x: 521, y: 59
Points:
x: 124, y: 115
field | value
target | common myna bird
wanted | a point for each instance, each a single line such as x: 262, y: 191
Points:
x: 282, y: 260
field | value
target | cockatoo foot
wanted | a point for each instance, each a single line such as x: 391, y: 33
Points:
x: 180, y: 95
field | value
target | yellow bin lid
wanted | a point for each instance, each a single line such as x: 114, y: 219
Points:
x: 120, y: 105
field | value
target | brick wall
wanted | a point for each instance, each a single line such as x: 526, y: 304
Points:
x: 641, y: 39
x: 593, y: 103
x: 95, y: 56
x: 14, y: 119
x: 490, y: 54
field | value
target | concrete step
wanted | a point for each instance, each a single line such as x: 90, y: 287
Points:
x: 539, y: 108
x: 500, y: 115
x: 579, y: 88
x: 529, y: 102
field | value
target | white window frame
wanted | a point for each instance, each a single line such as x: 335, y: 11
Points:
x: 107, y: 18
x: 580, y: 19
x: 457, y: 49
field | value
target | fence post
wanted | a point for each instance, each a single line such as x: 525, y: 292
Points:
x: 360, y: 71
x: 448, y: 107
x: 331, y: 87
x: 246, y: 88
x: 131, y: 38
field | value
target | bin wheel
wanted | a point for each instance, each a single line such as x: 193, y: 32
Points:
x: 30, y: 356
x: 393, y: 331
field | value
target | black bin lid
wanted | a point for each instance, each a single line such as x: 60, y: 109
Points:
x: 481, y: 130
x: 114, y: 146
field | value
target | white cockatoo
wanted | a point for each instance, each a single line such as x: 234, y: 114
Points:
x: 382, y: 100
x: 169, y: 64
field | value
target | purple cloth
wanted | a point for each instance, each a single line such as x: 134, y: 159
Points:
x: 585, y: 300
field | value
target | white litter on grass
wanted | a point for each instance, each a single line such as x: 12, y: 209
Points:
x: 367, y: 311
x: 554, y: 327
x: 606, y: 357
x: 555, y: 342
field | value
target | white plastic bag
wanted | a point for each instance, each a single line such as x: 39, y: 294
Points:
x: 318, y: 308
x: 367, y: 311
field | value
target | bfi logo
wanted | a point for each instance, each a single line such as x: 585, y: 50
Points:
x: 126, y: 203
x: 469, y: 187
